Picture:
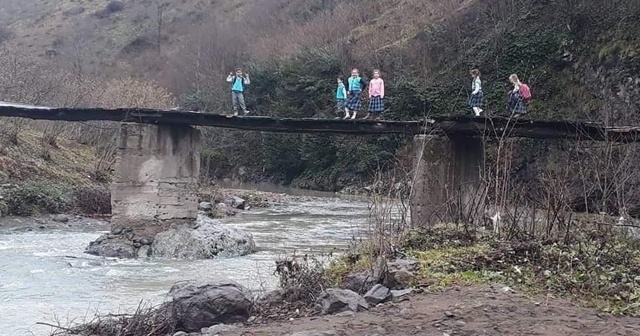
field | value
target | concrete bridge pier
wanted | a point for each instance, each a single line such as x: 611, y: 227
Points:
x: 154, y: 200
x: 447, y: 184
x: 156, y: 174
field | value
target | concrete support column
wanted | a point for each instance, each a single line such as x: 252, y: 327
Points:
x: 447, y: 184
x: 156, y: 176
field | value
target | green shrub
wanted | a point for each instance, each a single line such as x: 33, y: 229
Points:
x: 303, y: 86
x: 598, y: 267
x: 92, y: 200
x: 214, y: 163
x: 115, y: 6
x: 35, y: 198
x: 301, y: 278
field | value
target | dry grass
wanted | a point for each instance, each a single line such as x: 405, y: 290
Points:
x: 70, y: 163
x: 145, y: 321
x: 277, y: 28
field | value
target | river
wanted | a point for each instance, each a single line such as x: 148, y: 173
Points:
x: 46, y: 277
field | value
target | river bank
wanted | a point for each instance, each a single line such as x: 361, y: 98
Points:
x: 52, y: 222
x: 458, y: 310
x: 566, y: 286
x: 463, y: 311
x: 47, y: 277
x: 462, y: 284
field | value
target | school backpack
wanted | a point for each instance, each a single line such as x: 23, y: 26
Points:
x: 525, y: 91
x: 233, y: 81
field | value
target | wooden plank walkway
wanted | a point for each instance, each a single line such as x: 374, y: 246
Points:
x: 491, y: 127
x: 250, y: 123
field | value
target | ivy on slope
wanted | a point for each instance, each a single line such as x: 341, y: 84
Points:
x: 573, y: 54
x: 304, y: 87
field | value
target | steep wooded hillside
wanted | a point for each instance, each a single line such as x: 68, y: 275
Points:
x: 580, y: 57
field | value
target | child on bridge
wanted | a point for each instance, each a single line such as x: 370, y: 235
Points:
x: 341, y: 98
x: 518, y: 97
x: 376, y: 96
x: 238, y: 83
x: 356, y: 85
x: 475, y: 101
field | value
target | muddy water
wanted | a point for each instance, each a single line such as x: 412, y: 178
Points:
x: 46, y: 277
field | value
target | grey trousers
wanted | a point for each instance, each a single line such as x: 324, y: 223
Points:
x: 237, y: 98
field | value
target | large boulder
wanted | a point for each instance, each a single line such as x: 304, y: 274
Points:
x: 205, y: 206
x: 409, y: 265
x: 359, y: 282
x: 237, y: 202
x: 208, y: 239
x: 271, y: 298
x: 402, y: 272
x: 395, y: 274
x: 112, y: 246
x: 377, y: 294
x: 60, y: 218
x: 197, y: 305
x: 222, y: 210
x: 335, y: 300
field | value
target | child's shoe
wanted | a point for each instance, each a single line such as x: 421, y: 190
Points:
x: 354, y: 115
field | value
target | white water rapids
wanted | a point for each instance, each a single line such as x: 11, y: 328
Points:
x: 46, y: 277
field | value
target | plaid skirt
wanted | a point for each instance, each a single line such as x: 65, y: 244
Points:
x: 376, y: 104
x: 354, y: 103
x: 517, y: 104
x: 340, y: 105
x: 476, y: 99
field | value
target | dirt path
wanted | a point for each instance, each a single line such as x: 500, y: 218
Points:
x: 480, y: 310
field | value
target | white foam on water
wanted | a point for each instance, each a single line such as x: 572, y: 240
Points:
x: 10, y: 285
x: 39, y: 282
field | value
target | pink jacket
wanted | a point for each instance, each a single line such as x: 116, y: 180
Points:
x: 376, y: 88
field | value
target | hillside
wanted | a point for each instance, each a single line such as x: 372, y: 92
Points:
x: 67, y: 162
x: 582, y: 60
x: 158, y: 39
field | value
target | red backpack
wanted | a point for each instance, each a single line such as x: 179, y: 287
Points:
x: 525, y: 91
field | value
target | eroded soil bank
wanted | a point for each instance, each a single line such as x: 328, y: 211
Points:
x: 464, y: 311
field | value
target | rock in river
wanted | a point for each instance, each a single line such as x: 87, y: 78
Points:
x: 112, y: 246
x: 205, y: 206
x: 60, y: 218
x: 210, y: 238
x: 237, y: 203
x: 204, y: 239
x: 200, y: 305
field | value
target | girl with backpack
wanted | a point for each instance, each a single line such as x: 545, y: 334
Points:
x: 519, y: 96
x: 475, y: 101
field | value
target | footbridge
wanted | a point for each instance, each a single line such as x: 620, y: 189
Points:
x: 158, y: 159
x: 493, y: 126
